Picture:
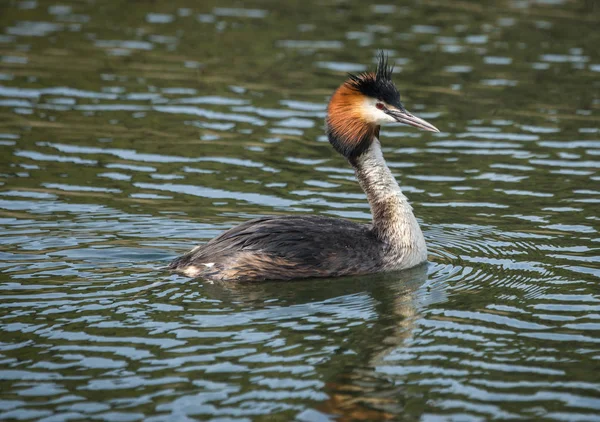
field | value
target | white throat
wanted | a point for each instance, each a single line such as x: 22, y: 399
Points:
x: 393, y: 218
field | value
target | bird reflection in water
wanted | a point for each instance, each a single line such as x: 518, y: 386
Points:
x: 387, y: 307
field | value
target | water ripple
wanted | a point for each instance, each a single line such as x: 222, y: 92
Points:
x: 128, y: 138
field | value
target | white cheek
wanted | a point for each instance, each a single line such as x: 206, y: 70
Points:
x: 373, y: 114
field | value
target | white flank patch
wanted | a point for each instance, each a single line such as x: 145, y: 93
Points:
x: 191, y: 271
x: 209, y: 265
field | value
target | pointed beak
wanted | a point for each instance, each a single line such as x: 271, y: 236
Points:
x: 404, y: 117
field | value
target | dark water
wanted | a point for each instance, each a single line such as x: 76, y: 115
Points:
x: 133, y: 130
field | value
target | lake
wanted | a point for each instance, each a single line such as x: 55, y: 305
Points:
x: 131, y: 131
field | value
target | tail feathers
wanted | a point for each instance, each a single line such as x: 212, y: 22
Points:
x: 178, y: 262
x: 186, y: 265
x: 182, y: 264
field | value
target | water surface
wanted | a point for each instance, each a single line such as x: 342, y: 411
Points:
x: 131, y: 131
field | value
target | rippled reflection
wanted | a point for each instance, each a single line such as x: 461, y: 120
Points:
x: 131, y: 132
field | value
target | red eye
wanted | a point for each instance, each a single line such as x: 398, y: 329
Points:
x: 380, y: 106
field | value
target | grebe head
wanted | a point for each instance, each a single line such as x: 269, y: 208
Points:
x: 361, y: 105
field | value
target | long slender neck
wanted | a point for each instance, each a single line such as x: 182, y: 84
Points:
x: 393, y: 218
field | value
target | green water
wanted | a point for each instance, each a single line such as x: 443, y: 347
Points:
x: 132, y: 131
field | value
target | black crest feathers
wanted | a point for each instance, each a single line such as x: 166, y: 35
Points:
x: 384, y: 70
x: 377, y: 85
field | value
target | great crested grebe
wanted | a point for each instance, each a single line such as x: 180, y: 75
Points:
x: 303, y: 246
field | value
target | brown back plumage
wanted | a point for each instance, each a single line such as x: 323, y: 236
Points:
x: 283, y: 248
